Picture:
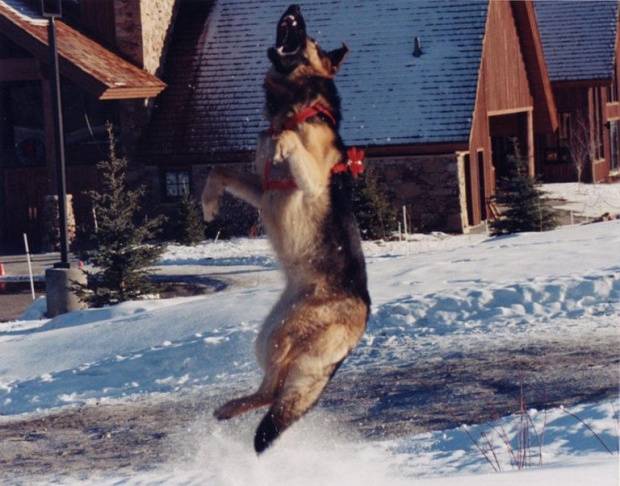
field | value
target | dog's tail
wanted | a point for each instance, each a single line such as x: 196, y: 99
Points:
x: 298, y: 395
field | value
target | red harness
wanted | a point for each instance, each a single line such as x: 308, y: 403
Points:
x: 355, y: 157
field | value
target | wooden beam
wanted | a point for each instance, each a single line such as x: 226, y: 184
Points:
x: 530, y: 144
x: 511, y: 111
x: 583, y: 83
x: 414, y: 149
x: 23, y: 69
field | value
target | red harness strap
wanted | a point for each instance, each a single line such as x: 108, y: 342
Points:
x: 269, y: 185
x: 355, y: 157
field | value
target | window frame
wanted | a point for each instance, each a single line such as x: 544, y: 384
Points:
x: 187, y: 185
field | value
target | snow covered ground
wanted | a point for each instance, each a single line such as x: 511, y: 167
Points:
x: 434, y: 297
x: 588, y: 200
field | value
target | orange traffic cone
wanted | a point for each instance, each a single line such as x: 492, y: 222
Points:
x: 2, y: 283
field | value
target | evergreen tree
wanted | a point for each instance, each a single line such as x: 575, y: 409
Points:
x: 119, y: 252
x: 520, y: 200
x: 375, y: 214
x: 190, y: 229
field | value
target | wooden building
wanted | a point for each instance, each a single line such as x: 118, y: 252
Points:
x: 581, y: 43
x: 107, y: 65
x: 435, y: 126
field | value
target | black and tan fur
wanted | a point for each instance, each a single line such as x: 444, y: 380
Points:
x: 323, y: 310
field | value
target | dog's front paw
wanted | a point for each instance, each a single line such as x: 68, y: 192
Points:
x: 287, y: 144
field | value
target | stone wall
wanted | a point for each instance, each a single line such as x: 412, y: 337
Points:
x: 428, y: 185
x: 157, y: 19
x: 236, y: 218
x: 128, y: 22
x: 431, y: 187
x: 143, y: 28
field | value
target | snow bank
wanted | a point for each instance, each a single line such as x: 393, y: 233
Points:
x: 590, y: 200
x: 317, y: 451
x: 432, y: 293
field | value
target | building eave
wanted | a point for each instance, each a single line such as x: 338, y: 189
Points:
x: 82, y: 60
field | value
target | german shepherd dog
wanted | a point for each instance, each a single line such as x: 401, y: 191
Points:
x: 323, y: 310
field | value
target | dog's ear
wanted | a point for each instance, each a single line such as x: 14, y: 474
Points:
x: 336, y: 58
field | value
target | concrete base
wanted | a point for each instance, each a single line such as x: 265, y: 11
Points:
x: 60, y: 297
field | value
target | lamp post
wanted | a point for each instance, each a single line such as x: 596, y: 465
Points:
x: 59, y: 280
x: 52, y: 9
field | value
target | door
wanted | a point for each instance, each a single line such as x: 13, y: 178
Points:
x: 614, y: 134
x: 24, y: 192
x: 482, y: 186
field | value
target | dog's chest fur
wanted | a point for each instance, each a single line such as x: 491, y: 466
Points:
x: 292, y: 219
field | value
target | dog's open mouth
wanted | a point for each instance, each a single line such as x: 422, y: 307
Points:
x: 291, y: 34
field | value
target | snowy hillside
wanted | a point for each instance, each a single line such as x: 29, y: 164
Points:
x: 439, y: 303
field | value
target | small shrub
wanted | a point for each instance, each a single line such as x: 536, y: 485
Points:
x: 375, y: 213
x: 189, y: 228
x: 119, y: 250
x: 520, y: 200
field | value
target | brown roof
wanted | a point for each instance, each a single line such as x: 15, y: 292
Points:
x: 81, y: 59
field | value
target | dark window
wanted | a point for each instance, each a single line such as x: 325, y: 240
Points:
x: 557, y: 145
x: 84, y: 120
x: 176, y: 184
x: 612, y: 91
x: 22, y: 133
x: 597, y: 129
x: 482, y: 185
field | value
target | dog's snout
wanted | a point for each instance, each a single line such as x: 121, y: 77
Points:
x: 293, y: 10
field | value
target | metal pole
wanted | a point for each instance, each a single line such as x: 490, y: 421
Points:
x: 29, y: 267
x: 59, y: 146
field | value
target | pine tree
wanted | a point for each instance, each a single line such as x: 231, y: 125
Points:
x: 119, y: 252
x: 190, y: 229
x: 375, y: 214
x: 522, y: 199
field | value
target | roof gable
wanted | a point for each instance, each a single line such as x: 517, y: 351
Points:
x: 578, y: 38
x: 389, y: 96
x: 545, y: 111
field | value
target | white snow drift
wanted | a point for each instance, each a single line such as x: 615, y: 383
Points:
x: 429, y: 295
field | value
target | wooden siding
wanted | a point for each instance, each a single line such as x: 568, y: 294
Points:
x: 98, y: 17
x: 502, y: 87
x: 506, y: 76
x: 584, y: 100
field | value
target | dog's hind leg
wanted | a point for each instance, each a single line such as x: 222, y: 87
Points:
x: 265, y: 395
x: 300, y: 392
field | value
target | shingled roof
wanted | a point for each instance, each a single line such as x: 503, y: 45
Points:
x: 578, y: 38
x: 389, y: 96
x: 81, y: 59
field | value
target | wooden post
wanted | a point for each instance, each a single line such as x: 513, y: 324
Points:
x: 530, y: 144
